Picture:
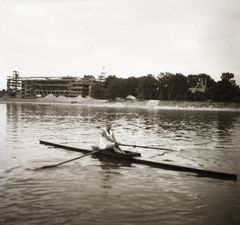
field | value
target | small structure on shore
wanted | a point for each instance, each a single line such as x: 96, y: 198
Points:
x: 199, y: 87
x: 131, y: 97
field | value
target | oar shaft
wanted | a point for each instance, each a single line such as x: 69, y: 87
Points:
x: 51, y: 166
x: 90, y: 153
x: 139, y: 146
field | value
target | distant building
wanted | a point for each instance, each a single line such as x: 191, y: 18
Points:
x: 31, y: 87
x: 199, y: 87
x: 102, y: 77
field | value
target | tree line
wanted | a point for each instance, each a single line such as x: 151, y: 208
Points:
x: 169, y: 86
x: 3, y: 93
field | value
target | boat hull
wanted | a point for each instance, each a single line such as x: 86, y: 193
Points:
x: 137, y: 159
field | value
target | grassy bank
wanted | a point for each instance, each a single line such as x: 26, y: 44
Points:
x: 199, y: 105
x: 141, y: 104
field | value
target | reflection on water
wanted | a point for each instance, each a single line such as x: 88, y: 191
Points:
x: 96, y: 190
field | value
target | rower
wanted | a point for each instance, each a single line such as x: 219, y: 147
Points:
x: 108, y: 140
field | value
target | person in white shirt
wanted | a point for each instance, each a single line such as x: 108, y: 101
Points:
x: 108, y: 140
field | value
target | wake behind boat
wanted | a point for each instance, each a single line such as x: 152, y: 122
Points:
x: 136, y: 158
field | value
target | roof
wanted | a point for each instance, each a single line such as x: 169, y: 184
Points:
x: 131, y: 97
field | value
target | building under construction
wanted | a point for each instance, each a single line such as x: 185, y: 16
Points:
x: 32, y: 87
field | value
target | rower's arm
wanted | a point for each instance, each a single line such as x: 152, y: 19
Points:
x: 114, y: 138
x: 107, y: 137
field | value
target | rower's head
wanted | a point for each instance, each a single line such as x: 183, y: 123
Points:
x: 108, y: 125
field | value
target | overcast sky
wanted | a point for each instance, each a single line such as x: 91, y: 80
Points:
x: 128, y: 38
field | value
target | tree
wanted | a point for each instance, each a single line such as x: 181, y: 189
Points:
x: 148, y: 87
x: 109, y: 79
x: 192, y: 80
x: 206, y: 80
x: 139, y: 92
x: 97, y: 91
x: 168, y: 86
x: 3, y: 92
x: 172, y: 86
x: 227, y: 87
x: 227, y: 76
x: 179, y: 86
x: 163, y: 85
x: 130, y: 85
x: 115, y: 89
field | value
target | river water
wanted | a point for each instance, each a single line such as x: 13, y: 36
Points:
x: 95, y: 190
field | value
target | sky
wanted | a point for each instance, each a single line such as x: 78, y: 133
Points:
x: 120, y: 37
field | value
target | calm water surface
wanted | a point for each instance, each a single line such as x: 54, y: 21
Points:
x: 94, y: 190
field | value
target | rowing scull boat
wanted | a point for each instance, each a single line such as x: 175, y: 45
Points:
x: 136, y: 158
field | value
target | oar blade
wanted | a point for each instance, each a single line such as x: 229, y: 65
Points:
x: 46, y: 167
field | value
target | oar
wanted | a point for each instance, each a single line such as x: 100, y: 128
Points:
x: 139, y: 146
x: 52, y: 166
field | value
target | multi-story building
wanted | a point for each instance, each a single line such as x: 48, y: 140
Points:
x: 30, y: 87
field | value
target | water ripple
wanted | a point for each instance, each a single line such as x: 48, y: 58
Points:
x: 94, y: 190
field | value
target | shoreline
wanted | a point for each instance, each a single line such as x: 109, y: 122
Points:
x: 168, y: 105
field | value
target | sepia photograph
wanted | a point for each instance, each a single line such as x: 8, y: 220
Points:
x: 119, y: 112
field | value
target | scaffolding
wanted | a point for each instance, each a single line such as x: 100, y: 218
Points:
x: 14, y: 85
x: 30, y: 87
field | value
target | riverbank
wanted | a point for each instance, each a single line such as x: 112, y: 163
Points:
x: 52, y: 100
